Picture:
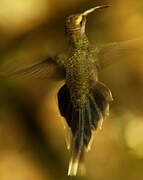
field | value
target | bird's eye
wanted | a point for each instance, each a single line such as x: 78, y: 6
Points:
x: 82, y: 21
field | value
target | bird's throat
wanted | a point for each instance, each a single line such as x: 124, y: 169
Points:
x: 77, y: 39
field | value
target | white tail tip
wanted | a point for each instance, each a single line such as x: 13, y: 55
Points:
x: 76, y: 167
x: 73, y: 167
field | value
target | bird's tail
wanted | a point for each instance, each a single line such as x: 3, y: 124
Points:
x: 82, y: 121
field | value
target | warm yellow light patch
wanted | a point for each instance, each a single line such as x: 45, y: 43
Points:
x: 78, y: 20
x: 18, y: 16
x: 134, y: 135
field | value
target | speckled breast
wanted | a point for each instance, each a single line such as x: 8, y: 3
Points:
x: 80, y: 74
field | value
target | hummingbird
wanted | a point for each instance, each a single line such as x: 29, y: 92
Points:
x: 83, y: 100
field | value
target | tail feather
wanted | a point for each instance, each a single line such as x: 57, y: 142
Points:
x: 77, y: 149
x: 82, y: 121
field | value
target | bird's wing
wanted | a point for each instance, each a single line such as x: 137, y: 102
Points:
x: 114, y: 52
x: 47, y: 69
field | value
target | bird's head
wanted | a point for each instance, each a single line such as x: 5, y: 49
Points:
x: 76, y: 23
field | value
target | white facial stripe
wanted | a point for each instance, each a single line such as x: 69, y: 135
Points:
x: 78, y: 20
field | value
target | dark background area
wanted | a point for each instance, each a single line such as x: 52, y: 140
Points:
x: 32, y: 135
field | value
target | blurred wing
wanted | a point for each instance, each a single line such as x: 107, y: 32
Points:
x: 114, y: 52
x: 47, y: 69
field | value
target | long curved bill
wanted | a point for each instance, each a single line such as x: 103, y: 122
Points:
x: 94, y: 9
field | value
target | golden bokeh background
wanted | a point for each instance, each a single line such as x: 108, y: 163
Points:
x: 32, y: 137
